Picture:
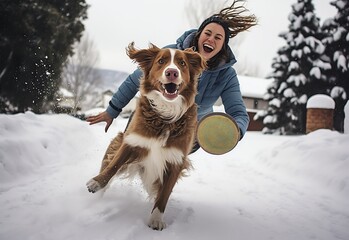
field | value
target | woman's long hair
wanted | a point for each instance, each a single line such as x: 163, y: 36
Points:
x: 236, y: 21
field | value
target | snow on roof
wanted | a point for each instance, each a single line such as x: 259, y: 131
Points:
x: 65, y: 93
x: 321, y: 101
x: 94, y: 111
x: 253, y: 87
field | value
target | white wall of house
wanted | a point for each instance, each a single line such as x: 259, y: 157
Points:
x: 253, y: 90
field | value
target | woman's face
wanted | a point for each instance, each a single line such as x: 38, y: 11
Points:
x: 211, y: 40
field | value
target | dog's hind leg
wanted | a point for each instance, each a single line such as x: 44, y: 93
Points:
x: 170, y: 178
x: 112, y: 149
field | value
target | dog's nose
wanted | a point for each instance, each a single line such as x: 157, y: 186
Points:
x: 171, y: 74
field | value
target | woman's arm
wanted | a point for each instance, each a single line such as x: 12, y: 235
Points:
x: 120, y: 99
x: 124, y: 94
x: 234, y: 104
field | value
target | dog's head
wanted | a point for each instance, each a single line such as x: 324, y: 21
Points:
x: 171, y: 72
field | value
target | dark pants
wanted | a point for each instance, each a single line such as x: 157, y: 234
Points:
x: 196, y: 145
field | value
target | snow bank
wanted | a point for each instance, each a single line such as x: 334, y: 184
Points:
x: 29, y: 142
x: 319, y: 159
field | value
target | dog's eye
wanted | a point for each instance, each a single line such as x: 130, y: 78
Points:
x: 182, y: 63
x: 161, y: 61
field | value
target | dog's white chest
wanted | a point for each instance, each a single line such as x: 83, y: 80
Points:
x: 154, y: 164
x: 173, y: 110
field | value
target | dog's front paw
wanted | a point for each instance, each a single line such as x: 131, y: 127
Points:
x: 93, y: 186
x: 157, y: 225
x: 155, y: 221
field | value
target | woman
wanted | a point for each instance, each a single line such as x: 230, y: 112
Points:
x: 219, y: 80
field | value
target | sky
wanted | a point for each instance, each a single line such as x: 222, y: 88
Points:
x: 113, y: 25
x: 268, y: 187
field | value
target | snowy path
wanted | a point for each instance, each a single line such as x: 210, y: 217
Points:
x: 269, y: 187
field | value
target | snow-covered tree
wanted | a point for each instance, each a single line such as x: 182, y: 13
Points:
x: 297, y: 72
x: 275, y: 117
x: 337, y: 50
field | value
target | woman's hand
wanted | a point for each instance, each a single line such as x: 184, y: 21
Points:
x: 102, y: 117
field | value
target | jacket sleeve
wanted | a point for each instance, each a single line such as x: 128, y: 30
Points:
x: 124, y: 94
x: 234, y: 104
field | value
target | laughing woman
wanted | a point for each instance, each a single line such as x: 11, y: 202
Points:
x: 218, y: 80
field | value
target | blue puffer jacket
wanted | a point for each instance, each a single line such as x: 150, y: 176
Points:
x: 214, y: 83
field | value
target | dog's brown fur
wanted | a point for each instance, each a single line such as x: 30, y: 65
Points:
x: 127, y: 153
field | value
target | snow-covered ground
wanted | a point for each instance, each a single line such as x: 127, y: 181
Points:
x: 268, y: 187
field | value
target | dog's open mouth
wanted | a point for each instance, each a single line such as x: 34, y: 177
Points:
x: 170, y: 90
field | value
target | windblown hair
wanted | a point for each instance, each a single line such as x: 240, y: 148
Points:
x: 233, y: 16
x: 234, y: 20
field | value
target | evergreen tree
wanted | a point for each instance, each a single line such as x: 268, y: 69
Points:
x: 337, y: 50
x: 276, y: 118
x: 297, y: 72
x: 35, y: 40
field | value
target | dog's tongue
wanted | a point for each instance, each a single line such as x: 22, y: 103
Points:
x: 171, y: 87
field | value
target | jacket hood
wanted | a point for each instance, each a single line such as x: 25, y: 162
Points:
x: 187, y: 37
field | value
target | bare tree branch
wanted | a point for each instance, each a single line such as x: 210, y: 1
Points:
x: 79, y: 74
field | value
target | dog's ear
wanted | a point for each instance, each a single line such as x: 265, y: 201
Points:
x: 191, y: 49
x: 197, y: 62
x: 144, y: 57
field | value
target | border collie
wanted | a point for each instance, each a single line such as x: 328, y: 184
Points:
x: 161, y: 133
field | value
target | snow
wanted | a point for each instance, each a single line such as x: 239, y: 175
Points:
x: 298, y: 6
x: 94, y: 111
x: 315, y: 71
x: 303, y: 99
x: 321, y: 101
x: 298, y: 80
x: 289, y: 93
x: 297, y: 24
x: 296, y: 53
x: 306, y: 50
x: 338, y: 34
x: 254, y: 87
x: 282, y: 87
x: 299, y: 39
x: 341, y: 60
x: 269, y: 119
x: 346, y: 119
x: 268, y: 187
x: 315, y: 44
x: 321, y: 64
x: 341, y: 63
x: 338, y: 92
x: 275, y: 102
x: 293, y: 66
x: 65, y: 93
x: 338, y: 4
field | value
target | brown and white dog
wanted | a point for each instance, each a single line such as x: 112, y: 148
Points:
x: 161, y: 133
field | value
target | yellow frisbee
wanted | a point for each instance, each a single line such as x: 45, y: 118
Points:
x: 217, y: 133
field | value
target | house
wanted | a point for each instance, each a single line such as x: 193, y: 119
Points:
x: 253, y: 89
x: 104, y: 103
x: 65, y: 101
